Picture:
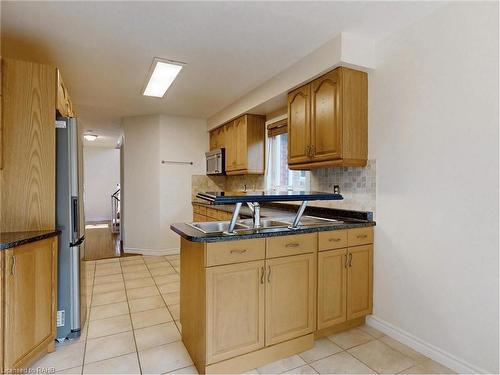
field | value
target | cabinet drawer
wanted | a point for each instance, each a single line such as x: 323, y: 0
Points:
x: 360, y: 236
x: 235, y: 251
x: 291, y: 245
x: 199, y: 218
x: 212, y: 212
x: 201, y: 210
x: 336, y: 239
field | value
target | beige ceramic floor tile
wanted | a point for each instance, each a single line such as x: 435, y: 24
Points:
x: 109, y: 326
x: 150, y: 317
x: 252, y: 371
x: 73, y: 370
x: 156, y: 265
x: 403, y: 349
x: 162, y: 271
x: 107, y: 270
x: 164, y: 358
x: 131, y: 260
x: 166, y: 279
x: 179, y: 325
x: 153, y: 259
x: 107, y: 261
x: 341, y: 363
x: 322, y: 348
x: 302, y: 370
x: 174, y: 311
x: 160, y: 334
x: 282, y: 365
x: 173, y: 257
x: 351, y: 338
x: 108, y: 311
x: 136, y: 275
x: 372, y: 331
x: 147, y: 291
x: 147, y: 303
x: 428, y: 367
x: 381, y: 357
x: 109, y: 347
x: 109, y: 287
x: 107, y: 298
x: 171, y: 298
x: 134, y: 268
x: 107, y: 279
x: 185, y: 370
x: 67, y: 355
x: 125, y: 364
x: 139, y: 283
x: 170, y: 287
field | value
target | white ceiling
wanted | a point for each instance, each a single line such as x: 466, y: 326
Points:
x: 104, y: 49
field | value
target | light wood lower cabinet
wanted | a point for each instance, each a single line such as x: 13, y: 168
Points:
x: 332, y: 287
x: 359, y: 281
x: 30, y: 287
x: 290, y: 296
x: 235, y: 310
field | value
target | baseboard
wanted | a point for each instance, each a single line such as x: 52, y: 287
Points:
x: 151, y: 252
x: 421, y: 346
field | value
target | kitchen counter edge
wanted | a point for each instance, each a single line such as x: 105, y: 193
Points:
x: 13, y: 239
x: 189, y: 233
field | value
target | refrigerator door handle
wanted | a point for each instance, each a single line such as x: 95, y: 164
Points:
x: 75, y: 217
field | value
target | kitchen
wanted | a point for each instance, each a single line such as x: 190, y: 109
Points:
x: 300, y: 202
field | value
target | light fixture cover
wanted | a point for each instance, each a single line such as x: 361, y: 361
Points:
x: 90, y: 137
x: 161, y: 76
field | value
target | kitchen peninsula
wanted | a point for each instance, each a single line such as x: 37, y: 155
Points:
x: 264, y: 288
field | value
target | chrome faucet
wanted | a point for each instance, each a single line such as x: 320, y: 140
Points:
x: 255, y: 208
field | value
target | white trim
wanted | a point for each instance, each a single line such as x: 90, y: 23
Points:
x: 446, y: 359
x: 154, y: 252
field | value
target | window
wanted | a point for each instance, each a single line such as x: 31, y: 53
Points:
x: 279, y: 177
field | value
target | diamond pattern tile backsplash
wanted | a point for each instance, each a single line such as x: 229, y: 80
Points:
x: 357, y: 185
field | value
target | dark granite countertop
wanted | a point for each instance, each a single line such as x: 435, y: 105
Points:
x: 13, y: 239
x: 347, y: 220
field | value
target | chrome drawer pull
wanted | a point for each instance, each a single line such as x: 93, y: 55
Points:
x: 334, y: 239
x: 361, y: 236
x: 238, y: 251
x: 292, y: 244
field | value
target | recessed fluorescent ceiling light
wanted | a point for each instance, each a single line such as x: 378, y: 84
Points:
x: 90, y: 137
x: 162, y: 75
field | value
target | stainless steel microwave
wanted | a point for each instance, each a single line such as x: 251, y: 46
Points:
x: 215, y: 161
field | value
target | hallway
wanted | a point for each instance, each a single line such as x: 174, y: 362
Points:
x: 101, y: 242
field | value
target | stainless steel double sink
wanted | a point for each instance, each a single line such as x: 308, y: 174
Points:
x: 246, y: 225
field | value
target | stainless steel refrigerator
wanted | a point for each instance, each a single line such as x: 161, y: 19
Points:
x: 71, y: 293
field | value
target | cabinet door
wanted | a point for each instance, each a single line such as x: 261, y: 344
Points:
x: 213, y: 139
x: 326, y: 117
x: 221, y: 137
x: 332, y: 287
x: 240, y: 126
x: 290, y: 297
x: 299, y: 125
x: 235, y: 310
x: 30, y: 299
x: 230, y: 147
x: 359, y: 281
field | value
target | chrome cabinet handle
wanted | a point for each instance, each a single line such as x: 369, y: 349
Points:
x: 262, y: 275
x: 334, y: 239
x: 361, y: 236
x: 350, y: 259
x: 292, y: 244
x: 268, y: 274
x: 238, y: 251
x: 13, y: 269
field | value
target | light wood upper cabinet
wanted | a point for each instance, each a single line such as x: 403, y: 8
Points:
x: 64, y: 104
x: 328, y: 121
x: 359, y: 281
x: 235, y: 310
x: 332, y: 287
x: 299, y: 125
x: 290, y: 297
x: 28, y: 146
x: 245, y: 145
x: 217, y: 138
x: 30, y: 282
x: 326, y: 118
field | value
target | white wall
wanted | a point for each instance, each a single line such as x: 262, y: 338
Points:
x: 156, y: 194
x: 433, y: 122
x: 102, y: 174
